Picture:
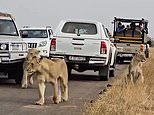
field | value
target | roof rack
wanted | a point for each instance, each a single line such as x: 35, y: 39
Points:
x: 6, y: 15
x: 26, y: 26
x: 130, y: 20
x: 48, y: 26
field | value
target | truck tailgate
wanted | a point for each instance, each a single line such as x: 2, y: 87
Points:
x: 128, y: 47
x: 78, y: 46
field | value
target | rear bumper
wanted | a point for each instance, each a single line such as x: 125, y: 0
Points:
x: 89, y: 61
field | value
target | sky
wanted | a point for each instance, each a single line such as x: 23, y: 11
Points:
x: 39, y: 13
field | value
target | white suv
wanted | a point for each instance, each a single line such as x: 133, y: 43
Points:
x: 38, y: 38
x: 13, y: 49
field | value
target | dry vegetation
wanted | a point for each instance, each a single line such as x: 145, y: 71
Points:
x: 127, y: 100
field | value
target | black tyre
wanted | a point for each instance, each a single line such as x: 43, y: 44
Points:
x: 69, y: 69
x: 147, y: 54
x: 16, y: 72
x: 112, y: 74
x: 104, y: 73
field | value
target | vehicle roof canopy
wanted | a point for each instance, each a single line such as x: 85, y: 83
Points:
x: 35, y: 28
x: 130, y: 20
x: 6, y: 15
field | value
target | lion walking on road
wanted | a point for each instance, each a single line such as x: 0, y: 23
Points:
x: 135, y: 69
x: 51, y: 71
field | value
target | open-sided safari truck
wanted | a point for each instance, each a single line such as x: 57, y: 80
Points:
x: 130, y: 36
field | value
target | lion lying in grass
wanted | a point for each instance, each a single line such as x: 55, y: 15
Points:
x: 27, y: 78
x: 50, y: 71
x: 134, y: 70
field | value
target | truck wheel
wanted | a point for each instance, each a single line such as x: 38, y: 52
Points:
x: 112, y: 73
x: 147, y: 54
x: 69, y: 69
x: 16, y: 72
x: 104, y: 73
x: 19, y: 73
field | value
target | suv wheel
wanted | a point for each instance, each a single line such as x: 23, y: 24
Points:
x: 16, y: 72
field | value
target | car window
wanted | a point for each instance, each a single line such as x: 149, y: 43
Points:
x: 79, y: 28
x: 34, y: 33
x: 7, y: 27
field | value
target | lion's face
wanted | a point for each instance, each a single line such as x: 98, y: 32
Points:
x: 33, y: 65
x: 32, y: 53
x: 141, y: 57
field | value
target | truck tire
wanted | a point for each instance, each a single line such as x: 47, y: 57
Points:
x: 147, y: 51
x: 112, y: 74
x: 104, y: 73
x: 69, y: 69
x: 147, y: 54
x: 113, y: 67
x: 16, y: 72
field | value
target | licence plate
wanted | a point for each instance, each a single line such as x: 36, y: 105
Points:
x: 120, y: 48
x: 127, y: 50
x: 127, y: 55
x: 77, y: 48
x: 74, y: 58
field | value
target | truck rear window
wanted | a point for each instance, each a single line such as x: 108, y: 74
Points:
x: 79, y: 28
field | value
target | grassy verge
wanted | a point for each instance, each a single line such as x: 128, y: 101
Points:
x: 127, y: 100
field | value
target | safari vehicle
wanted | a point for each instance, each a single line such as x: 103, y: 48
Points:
x: 38, y: 37
x: 130, y: 36
x: 85, y: 45
x: 13, y: 49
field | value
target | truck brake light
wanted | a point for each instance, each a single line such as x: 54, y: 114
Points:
x: 103, y: 48
x: 53, y: 44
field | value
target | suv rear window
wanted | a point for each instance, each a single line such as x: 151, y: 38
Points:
x: 79, y: 28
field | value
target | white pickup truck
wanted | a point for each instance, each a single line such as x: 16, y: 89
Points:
x: 13, y: 49
x: 85, y: 45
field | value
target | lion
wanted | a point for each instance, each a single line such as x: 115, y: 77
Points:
x: 27, y: 78
x: 135, y: 69
x: 50, y: 71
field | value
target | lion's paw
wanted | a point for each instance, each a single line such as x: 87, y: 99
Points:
x: 24, y: 86
x: 39, y: 103
x: 56, y: 100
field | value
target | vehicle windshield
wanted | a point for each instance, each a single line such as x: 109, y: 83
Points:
x: 79, y: 28
x: 7, y: 27
x: 33, y: 33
